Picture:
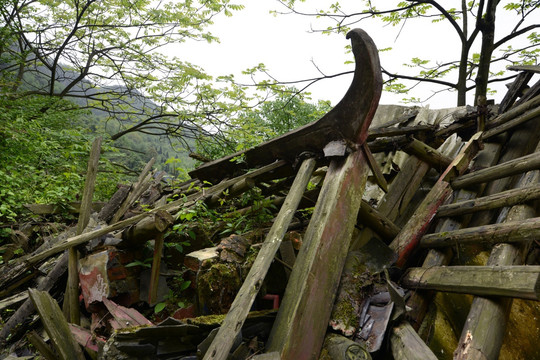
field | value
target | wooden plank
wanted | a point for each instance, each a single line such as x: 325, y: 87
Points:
x: 505, y: 198
x: 408, y: 238
x: 346, y: 121
x: 510, y: 281
x: 516, y: 90
x: 407, y: 345
x: 72, y: 287
x: 297, y: 331
x: 41, y: 346
x: 72, y: 207
x: 56, y: 326
x: 143, y: 182
x: 220, y: 347
x: 509, y: 168
x: 510, y: 232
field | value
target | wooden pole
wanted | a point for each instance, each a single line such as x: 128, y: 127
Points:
x: 302, y: 320
x: 509, y: 168
x: 56, y: 326
x: 407, y: 345
x: 72, y: 291
x: 511, y: 231
x: 510, y: 281
x: 485, y: 327
x: 220, y: 347
x: 379, y: 223
x: 505, y: 198
x: 424, y: 152
x: 138, y: 188
x: 156, y: 264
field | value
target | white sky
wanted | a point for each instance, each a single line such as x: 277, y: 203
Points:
x: 288, y: 49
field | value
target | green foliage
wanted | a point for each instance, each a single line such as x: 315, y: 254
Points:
x: 44, y: 155
x: 468, y: 26
x: 288, y: 110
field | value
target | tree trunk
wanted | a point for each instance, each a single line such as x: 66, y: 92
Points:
x: 486, y: 24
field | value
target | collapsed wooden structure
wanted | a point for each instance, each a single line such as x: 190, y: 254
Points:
x: 422, y: 203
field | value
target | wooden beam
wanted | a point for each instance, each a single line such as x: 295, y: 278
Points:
x: 510, y: 232
x: 56, y: 326
x: 408, y: 239
x: 220, y: 347
x: 407, y: 345
x: 156, y: 265
x: 509, y: 168
x: 397, y: 131
x: 41, y: 346
x: 380, y: 224
x: 529, y: 68
x: 505, y: 198
x: 297, y: 331
x: 344, y: 122
x: 509, y: 281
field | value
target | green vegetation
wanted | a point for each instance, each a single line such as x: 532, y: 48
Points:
x: 484, y: 49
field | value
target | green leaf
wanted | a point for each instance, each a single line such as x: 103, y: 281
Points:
x: 159, y: 307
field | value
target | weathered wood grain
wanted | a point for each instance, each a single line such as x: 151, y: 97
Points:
x: 509, y: 281
x: 56, y: 326
x: 220, y: 347
x: 407, y: 345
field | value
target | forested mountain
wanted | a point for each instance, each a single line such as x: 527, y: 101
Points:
x: 133, y: 149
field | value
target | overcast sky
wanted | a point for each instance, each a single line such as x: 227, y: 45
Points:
x: 290, y: 51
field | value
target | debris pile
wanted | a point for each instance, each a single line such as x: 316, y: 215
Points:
x: 353, y: 237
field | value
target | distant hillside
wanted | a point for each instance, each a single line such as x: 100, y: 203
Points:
x: 133, y: 149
